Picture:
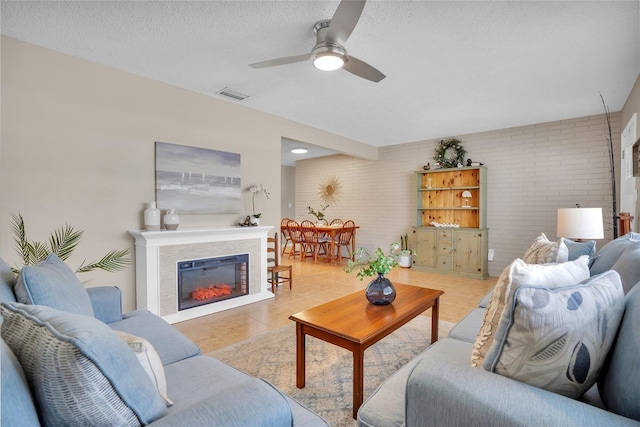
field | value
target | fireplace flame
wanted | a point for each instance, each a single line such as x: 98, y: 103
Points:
x: 212, y: 291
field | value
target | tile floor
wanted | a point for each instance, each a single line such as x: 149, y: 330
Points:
x: 316, y: 283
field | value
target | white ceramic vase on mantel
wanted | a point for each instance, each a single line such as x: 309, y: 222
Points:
x: 152, y: 217
x: 171, y: 220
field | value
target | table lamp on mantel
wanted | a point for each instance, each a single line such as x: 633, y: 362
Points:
x: 580, y: 223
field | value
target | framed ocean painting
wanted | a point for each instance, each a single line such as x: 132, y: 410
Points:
x: 196, y: 180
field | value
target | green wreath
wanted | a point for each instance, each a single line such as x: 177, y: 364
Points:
x: 458, y: 153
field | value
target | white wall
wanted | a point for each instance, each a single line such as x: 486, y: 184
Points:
x: 78, y: 148
x: 532, y: 171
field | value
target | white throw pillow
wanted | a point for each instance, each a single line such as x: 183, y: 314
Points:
x: 558, y: 339
x: 544, y: 251
x: 150, y: 361
x: 517, y: 274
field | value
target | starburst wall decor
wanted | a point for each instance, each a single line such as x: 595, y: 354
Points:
x: 330, y: 190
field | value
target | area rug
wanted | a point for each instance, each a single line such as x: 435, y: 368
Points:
x: 329, y: 373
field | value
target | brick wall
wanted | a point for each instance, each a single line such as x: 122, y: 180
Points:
x: 532, y: 171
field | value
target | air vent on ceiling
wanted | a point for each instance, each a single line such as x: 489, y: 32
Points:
x: 233, y: 94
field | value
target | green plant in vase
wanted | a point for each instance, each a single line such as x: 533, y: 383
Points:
x: 379, y: 291
x: 319, y: 214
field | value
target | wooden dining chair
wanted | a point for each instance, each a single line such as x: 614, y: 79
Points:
x: 276, y: 270
x: 296, y: 238
x: 312, y: 242
x: 284, y: 232
x: 343, y: 239
x: 336, y: 221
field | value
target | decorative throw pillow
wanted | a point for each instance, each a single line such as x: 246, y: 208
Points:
x: 517, y: 274
x: 544, y: 251
x: 54, y: 284
x: 149, y: 360
x: 558, y: 339
x: 79, y: 371
x: 577, y: 249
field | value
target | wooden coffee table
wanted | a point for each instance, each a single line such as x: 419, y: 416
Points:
x: 351, y: 322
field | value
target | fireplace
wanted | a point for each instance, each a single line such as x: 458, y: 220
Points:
x: 159, y: 254
x: 207, y: 281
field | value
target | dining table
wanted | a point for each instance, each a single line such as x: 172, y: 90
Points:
x: 332, y: 231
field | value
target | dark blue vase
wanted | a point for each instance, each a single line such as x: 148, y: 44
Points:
x: 380, y: 291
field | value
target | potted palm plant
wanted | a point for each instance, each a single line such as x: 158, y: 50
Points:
x: 62, y: 242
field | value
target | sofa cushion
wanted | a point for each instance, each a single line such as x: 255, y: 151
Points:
x: 170, y: 344
x: 16, y: 406
x: 54, y: 284
x: 558, y: 339
x: 618, y: 382
x: 232, y: 398
x: 80, y: 372
x: 149, y: 360
x: 516, y: 274
x: 544, y: 251
x: 628, y: 267
x: 609, y: 254
x: 577, y: 249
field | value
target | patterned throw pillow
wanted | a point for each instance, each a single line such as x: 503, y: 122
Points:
x: 558, y: 339
x: 149, y: 360
x: 544, y: 251
x: 79, y: 371
x: 516, y: 274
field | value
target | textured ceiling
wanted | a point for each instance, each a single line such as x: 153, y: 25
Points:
x: 452, y: 67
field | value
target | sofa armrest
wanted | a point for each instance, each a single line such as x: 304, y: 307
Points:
x: 106, y: 302
x: 446, y: 394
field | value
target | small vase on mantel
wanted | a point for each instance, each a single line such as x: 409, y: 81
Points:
x: 171, y: 220
x: 380, y: 291
x: 152, y: 217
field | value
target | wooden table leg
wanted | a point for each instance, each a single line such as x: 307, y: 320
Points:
x: 300, y: 356
x: 358, y: 380
x: 434, y: 320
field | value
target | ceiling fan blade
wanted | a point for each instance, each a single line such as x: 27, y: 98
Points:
x: 281, y: 61
x: 362, y: 69
x: 344, y: 20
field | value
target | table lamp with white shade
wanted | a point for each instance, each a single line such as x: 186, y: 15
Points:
x: 466, y: 194
x: 580, y: 223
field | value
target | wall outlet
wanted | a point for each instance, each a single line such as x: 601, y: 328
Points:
x: 490, y: 255
x: 289, y: 205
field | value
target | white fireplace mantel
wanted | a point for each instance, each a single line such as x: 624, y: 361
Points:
x: 157, y: 254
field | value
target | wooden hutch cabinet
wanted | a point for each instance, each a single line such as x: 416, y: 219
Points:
x: 460, y: 249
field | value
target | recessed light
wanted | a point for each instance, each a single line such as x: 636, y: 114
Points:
x: 299, y: 150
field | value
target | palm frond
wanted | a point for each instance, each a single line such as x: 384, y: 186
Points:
x: 20, y: 237
x: 112, y: 261
x: 39, y: 252
x: 64, y: 240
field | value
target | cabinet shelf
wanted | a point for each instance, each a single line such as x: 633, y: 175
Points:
x: 448, y: 188
x: 471, y: 208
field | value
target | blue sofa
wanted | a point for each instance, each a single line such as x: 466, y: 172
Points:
x: 47, y: 342
x: 440, y: 387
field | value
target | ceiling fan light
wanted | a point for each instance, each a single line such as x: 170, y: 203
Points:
x: 328, y: 62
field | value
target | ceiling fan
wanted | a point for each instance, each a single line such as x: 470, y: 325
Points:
x: 329, y: 53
